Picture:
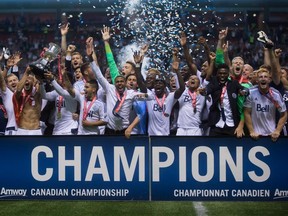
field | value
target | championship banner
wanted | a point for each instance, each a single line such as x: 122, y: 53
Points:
x: 74, y: 168
x: 143, y: 168
x: 222, y: 169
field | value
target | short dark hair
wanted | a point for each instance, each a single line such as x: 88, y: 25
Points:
x: 119, y: 76
x: 126, y: 78
x: 220, y: 66
x: 131, y: 63
x: 93, y: 83
x: 84, y: 67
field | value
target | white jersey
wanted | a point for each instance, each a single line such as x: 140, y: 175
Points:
x: 69, y: 101
x: 263, y: 110
x: 120, y: 121
x: 79, y: 86
x: 63, y: 120
x: 95, y: 113
x: 203, y: 82
x: 159, y: 114
x: 7, y: 101
x: 187, y: 117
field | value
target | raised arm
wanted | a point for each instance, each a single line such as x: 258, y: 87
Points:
x: 70, y: 49
x: 188, y: 57
x: 90, y: 51
x: 2, y: 82
x: 21, y: 83
x: 114, y: 72
x: 64, y: 30
x: 275, y: 66
x: 270, y: 58
x: 138, y: 58
x: 203, y: 42
x: 212, y: 57
x: 220, y: 45
x: 180, y: 90
x: 58, y: 88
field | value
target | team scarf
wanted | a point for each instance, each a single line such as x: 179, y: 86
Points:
x: 270, y: 97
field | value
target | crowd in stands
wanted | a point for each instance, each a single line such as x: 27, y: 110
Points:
x: 239, y: 88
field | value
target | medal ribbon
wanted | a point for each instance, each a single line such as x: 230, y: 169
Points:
x: 60, y: 103
x: 25, y: 98
x: 193, y: 96
x: 121, y: 99
x: 87, y: 109
x: 161, y: 103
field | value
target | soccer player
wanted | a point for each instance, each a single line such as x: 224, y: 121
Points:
x: 261, y: 106
x: 27, y: 103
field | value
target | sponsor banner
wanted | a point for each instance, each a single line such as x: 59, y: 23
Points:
x: 74, y: 168
x: 222, y: 169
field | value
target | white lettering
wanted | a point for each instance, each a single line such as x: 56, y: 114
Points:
x: 263, y: 166
x: 63, y: 163
x: 157, y: 164
x: 12, y: 192
x: 35, y: 163
x: 195, y: 164
x: 97, y: 152
x: 182, y: 164
x: 236, y: 169
x: 120, y: 158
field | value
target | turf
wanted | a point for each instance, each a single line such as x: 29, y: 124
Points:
x: 136, y: 208
x: 247, y: 208
x: 77, y: 208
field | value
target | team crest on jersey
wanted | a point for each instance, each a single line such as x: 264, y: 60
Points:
x: 234, y: 95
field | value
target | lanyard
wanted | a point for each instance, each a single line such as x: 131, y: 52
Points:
x: 193, y: 96
x: 121, y: 99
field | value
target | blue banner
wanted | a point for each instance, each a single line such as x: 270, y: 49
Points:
x: 143, y: 168
x: 74, y: 167
x: 223, y: 169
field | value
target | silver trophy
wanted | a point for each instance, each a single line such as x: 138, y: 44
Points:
x: 42, y: 65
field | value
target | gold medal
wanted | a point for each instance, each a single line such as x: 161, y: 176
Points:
x: 58, y: 115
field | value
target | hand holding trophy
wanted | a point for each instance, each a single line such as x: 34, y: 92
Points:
x: 42, y: 65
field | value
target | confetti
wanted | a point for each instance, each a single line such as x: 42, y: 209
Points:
x: 159, y: 24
